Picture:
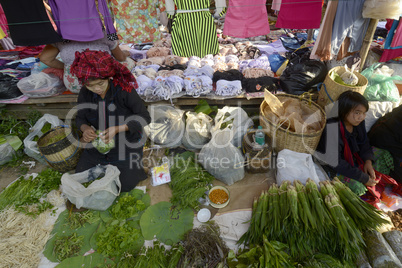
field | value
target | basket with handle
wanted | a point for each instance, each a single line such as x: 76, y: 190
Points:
x: 283, y: 138
x: 60, y: 148
x: 330, y: 90
x: 257, y: 160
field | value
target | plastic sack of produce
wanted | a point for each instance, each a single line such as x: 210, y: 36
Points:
x: 379, y: 252
x: 9, y: 144
x: 41, y: 85
x: 102, y: 146
x: 382, y: 9
x: 221, y: 159
x: 381, y: 86
x: 394, y: 239
x: 234, y: 118
x: 99, y: 194
x: 295, y: 166
x: 198, y: 131
x: 43, y: 125
x: 167, y: 125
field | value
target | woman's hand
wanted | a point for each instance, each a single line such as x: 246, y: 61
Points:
x: 368, y: 169
x: 88, y: 135
x: 109, y: 133
x: 371, y: 182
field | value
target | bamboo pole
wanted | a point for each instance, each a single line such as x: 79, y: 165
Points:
x: 367, y: 41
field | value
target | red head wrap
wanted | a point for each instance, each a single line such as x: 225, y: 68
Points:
x: 100, y: 65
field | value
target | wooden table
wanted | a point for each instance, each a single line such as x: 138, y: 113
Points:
x: 63, y: 104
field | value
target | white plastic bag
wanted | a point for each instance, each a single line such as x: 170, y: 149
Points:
x: 221, y: 159
x: 41, y: 85
x: 382, y: 9
x: 31, y: 146
x: 236, y: 119
x: 376, y: 110
x: 167, y: 125
x: 198, y: 130
x: 100, y: 194
x: 7, y: 153
x: 295, y: 166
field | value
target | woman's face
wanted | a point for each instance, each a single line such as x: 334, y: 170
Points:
x: 356, y: 116
x: 98, y: 86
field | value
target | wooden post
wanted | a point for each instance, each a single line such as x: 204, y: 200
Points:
x: 368, y: 38
x: 310, y: 34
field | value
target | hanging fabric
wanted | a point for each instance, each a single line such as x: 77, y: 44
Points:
x: 393, y: 42
x: 137, y: 20
x: 299, y: 14
x: 193, y: 28
x: 322, y: 46
x: 28, y: 22
x: 246, y: 18
x: 349, y: 23
x: 3, y: 21
x: 79, y: 20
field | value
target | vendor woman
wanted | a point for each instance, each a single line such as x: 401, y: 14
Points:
x: 354, y: 154
x: 108, y: 102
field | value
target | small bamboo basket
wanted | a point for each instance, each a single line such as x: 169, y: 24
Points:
x: 64, y: 154
x: 256, y: 160
x: 282, y: 138
x: 330, y: 90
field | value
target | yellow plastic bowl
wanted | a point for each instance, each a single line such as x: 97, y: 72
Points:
x: 219, y: 205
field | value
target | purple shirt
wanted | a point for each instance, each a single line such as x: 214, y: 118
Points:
x: 79, y: 20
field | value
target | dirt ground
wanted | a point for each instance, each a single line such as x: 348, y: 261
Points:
x: 9, y: 174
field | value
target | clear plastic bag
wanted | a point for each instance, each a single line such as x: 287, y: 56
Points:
x: 7, y: 153
x: 221, y: 159
x: 167, y: 126
x: 41, y: 85
x: 234, y: 118
x: 198, y: 130
x: 100, y: 194
x: 295, y: 166
x: 381, y: 87
x: 31, y: 147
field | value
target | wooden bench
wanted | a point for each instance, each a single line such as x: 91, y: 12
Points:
x: 61, y: 105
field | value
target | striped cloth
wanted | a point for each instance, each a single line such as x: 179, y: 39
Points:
x: 194, y: 33
x: 383, y: 161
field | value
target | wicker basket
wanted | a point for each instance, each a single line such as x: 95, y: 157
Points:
x: 283, y: 138
x: 62, y: 155
x: 330, y: 90
x: 256, y: 160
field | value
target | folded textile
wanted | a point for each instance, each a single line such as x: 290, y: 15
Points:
x: 197, y: 85
x: 228, y: 88
x: 205, y: 70
x: 229, y: 75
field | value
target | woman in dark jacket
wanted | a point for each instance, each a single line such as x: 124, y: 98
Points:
x: 110, y: 108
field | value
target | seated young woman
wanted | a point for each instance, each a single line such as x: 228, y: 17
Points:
x: 345, y: 151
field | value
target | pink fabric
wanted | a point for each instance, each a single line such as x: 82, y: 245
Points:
x: 246, y: 18
x: 299, y: 14
x: 3, y: 21
x: 397, y: 39
x: 390, y: 54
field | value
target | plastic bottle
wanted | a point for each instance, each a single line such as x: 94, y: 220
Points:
x: 260, y: 136
x: 35, y: 68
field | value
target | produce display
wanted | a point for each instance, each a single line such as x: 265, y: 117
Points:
x: 218, y: 196
x: 311, y: 221
x: 189, y: 181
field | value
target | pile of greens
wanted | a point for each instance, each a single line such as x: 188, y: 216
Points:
x: 189, y: 181
x: 28, y: 191
x: 309, y: 221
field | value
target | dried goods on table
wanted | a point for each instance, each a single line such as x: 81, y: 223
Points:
x: 396, y: 218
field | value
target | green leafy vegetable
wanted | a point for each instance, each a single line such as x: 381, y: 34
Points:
x: 67, y: 246
x: 92, y: 260
x: 167, y: 223
x: 101, y: 146
x: 203, y: 107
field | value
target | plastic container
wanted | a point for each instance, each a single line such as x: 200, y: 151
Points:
x: 260, y: 136
x: 203, y: 215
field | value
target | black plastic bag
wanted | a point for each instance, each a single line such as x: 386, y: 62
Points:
x: 261, y: 83
x: 8, y: 87
x: 302, y: 74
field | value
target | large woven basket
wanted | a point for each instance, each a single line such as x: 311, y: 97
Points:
x: 330, y: 90
x: 283, y: 138
x: 62, y: 155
